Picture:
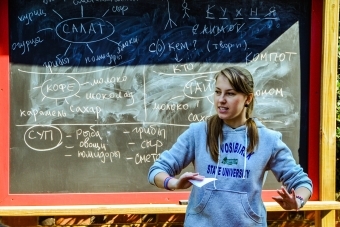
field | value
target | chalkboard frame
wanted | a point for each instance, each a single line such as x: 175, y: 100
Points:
x: 148, y: 197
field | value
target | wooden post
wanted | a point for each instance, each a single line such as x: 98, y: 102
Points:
x: 328, y: 109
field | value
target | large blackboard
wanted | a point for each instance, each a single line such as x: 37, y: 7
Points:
x: 98, y: 89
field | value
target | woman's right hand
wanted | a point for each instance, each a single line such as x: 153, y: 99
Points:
x: 183, y: 181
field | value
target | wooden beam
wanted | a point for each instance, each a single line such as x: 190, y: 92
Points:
x: 329, y: 68
x: 136, y: 209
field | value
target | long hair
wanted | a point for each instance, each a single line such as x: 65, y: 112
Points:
x: 242, y: 81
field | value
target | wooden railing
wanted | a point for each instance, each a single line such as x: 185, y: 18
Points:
x: 137, y: 209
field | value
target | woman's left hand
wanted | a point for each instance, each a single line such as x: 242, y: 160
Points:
x: 287, y: 201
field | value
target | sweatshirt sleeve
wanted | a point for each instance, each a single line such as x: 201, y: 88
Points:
x: 285, y: 168
x: 172, y: 161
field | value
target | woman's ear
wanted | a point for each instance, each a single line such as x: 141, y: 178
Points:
x: 249, y: 98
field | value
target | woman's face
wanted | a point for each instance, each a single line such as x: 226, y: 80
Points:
x: 229, y: 104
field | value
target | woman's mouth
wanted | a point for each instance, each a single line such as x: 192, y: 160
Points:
x: 223, y: 109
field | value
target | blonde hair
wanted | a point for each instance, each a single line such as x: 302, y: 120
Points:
x: 242, y: 81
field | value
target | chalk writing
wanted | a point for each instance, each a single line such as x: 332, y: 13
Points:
x: 171, y: 106
x: 59, y: 61
x: 84, y: 30
x: 151, y: 130
x: 113, y: 59
x: 119, y: 9
x: 140, y: 159
x: 102, y: 156
x: 90, y: 134
x: 29, y: 16
x: 40, y: 113
x: 86, y: 110
x: 103, y: 87
x: 110, y: 80
x: 286, y: 56
x: 36, y: 135
x: 226, y: 46
x: 25, y: 45
x: 270, y: 92
x: 47, y: 1
x: 197, y: 117
x: 216, y: 29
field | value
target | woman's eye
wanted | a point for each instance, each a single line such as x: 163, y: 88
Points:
x: 217, y: 92
x: 230, y: 94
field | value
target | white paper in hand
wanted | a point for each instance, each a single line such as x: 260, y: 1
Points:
x: 200, y: 183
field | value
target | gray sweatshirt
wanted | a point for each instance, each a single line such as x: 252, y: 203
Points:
x: 234, y: 199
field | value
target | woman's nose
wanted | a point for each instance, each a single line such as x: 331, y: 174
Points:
x: 221, y: 98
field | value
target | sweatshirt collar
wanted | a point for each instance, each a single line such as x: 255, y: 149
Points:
x: 227, y: 128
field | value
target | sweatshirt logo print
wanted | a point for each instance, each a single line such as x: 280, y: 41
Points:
x: 229, y: 161
x: 235, y: 148
x: 227, y: 172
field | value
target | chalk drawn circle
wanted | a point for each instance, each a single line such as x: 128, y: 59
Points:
x: 84, y: 30
x: 50, y: 135
x: 60, y: 89
x: 199, y: 88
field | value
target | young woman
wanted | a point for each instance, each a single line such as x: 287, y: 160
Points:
x: 237, y: 150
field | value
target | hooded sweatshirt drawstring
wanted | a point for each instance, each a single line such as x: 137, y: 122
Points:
x: 218, y: 161
x: 245, y: 155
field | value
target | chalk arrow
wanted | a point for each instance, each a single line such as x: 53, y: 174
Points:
x: 176, y: 58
